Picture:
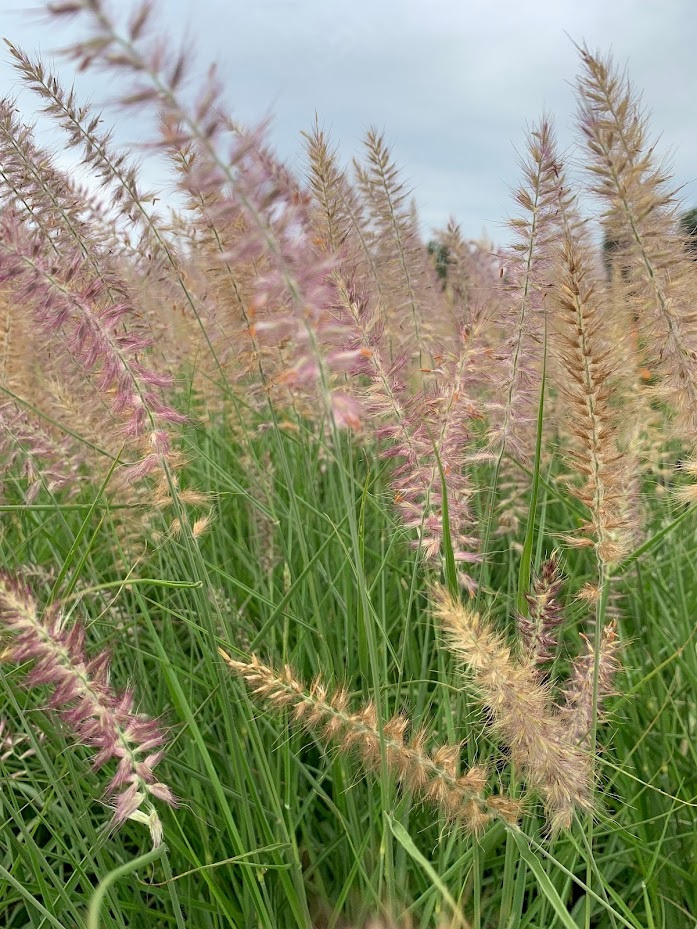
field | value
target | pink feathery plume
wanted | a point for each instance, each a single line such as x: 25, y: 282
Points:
x: 295, y: 298
x: 102, y: 336
x: 414, y: 428
x: 81, y: 695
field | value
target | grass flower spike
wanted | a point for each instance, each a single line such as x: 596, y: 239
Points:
x: 538, y: 628
x: 433, y: 777
x: 99, y: 717
x: 519, y: 704
x: 579, y: 707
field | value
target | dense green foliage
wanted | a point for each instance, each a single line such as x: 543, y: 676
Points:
x: 304, y: 563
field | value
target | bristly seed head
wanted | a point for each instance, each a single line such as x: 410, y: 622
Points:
x: 434, y: 777
x: 99, y: 716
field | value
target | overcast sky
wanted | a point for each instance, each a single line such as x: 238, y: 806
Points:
x: 453, y: 83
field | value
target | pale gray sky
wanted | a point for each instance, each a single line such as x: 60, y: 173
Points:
x: 453, y: 84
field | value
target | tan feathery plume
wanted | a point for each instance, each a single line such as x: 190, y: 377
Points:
x: 417, y: 316
x: 586, y: 374
x: 641, y: 215
x: 334, y: 200
x: 524, y: 286
x: 519, y: 705
x: 580, y: 707
x: 433, y: 777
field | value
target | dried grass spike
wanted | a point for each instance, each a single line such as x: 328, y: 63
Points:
x: 432, y: 777
x: 519, y: 705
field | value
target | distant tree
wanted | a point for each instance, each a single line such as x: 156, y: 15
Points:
x: 611, y: 246
x: 688, y: 224
x: 441, y: 258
